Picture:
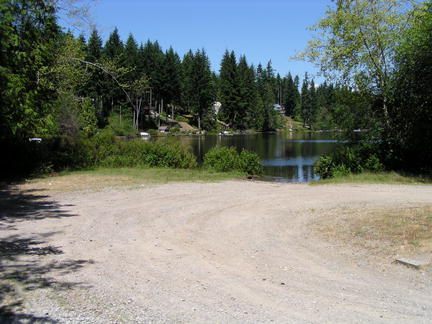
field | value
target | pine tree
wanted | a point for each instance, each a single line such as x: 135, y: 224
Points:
x: 131, y: 53
x: 113, y: 47
x: 113, y: 54
x: 290, y: 97
x: 202, y: 85
x: 313, y: 103
x: 187, y: 84
x: 151, y: 61
x: 229, y: 85
x: 305, y: 104
x: 96, y: 87
x: 171, y: 78
x: 247, y: 94
x: 94, y: 47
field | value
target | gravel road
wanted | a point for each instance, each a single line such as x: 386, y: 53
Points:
x: 229, y: 252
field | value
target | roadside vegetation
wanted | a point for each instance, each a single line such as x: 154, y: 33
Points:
x: 382, y: 49
x: 103, y: 178
x: 69, y: 91
x: 390, y: 177
x: 110, y: 152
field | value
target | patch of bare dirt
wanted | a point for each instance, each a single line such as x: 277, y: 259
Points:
x: 387, y: 232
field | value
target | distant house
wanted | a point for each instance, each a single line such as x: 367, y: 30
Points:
x: 163, y: 129
x: 279, y: 108
x: 216, y: 107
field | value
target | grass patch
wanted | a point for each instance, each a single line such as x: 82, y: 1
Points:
x: 101, y: 178
x: 384, y: 231
x: 378, y: 178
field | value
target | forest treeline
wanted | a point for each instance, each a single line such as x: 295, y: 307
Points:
x: 53, y: 83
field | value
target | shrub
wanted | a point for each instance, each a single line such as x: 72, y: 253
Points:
x: 73, y: 153
x: 251, y: 163
x: 223, y: 159
x: 115, y: 153
x: 351, y: 159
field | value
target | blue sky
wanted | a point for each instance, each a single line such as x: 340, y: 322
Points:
x: 263, y: 30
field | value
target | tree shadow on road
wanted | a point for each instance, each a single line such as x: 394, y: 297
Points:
x: 23, y: 259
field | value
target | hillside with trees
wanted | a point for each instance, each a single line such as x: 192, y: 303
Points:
x: 374, y: 55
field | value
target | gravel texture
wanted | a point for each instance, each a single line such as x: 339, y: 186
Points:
x: 229, y: 252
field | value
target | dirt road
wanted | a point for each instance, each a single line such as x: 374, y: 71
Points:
x: 230, y: 252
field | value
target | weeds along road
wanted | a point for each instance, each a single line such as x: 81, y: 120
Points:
x: 228, y: 252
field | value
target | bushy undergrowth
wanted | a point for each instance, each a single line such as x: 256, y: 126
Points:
x: 146, y: 154
x: 223, y: 159
x: 68, y: 153
x: 355, y: 159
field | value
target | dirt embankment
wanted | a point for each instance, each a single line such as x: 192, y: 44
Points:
x: 229, y: 252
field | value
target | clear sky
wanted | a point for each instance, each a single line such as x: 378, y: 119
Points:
x: 263, y: 30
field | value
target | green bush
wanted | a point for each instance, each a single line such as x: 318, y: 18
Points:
x: 351, y: 159
x: 251, y: 163
x: 74, y: 153
x: 130, y: 153
x: 224, y: 159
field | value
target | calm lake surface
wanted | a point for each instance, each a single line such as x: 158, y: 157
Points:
x: 286, y: 157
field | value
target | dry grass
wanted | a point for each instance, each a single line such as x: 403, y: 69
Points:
x: 405, y: 231
x: 130, y: 177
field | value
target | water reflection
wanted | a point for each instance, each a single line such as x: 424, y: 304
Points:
x: 287, y: 157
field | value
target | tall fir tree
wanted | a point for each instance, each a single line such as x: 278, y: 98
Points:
x: 114, y: 46
x: 229, y: 87
x: 171, y: 78
x: 247, y: 94
x: 290, y: 97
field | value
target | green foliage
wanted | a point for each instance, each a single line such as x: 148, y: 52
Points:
x: 224, y: 159
x: 250, y: 163
x: 137, y: 152
x: 181, y: 119
x: 198, y: 94
x: 121, y: 124
x: 408, y: 143
x: 60, y: 153
x: 351, y: 159
x: 87, y: 118
x: 28, y: 34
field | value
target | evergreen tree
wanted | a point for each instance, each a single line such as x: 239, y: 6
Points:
x: 313, y: 102
x: 94, y: 47
x: 202, y: 84
x: 171, y: 78
x: 131, y: 53
x: 113, y: 55
x: 151, y: 62
x: 229, y: 87
x: 96, y: 87
x: 290, y: 96
x: 306, y: 102
x: 247, y: 94
x: 187, y: 84
x: 197, y: 88
x: 114, y: 46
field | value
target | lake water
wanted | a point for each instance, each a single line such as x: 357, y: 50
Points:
x: 286, y: 157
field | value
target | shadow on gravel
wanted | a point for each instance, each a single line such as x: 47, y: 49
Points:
x: 23, y: 266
